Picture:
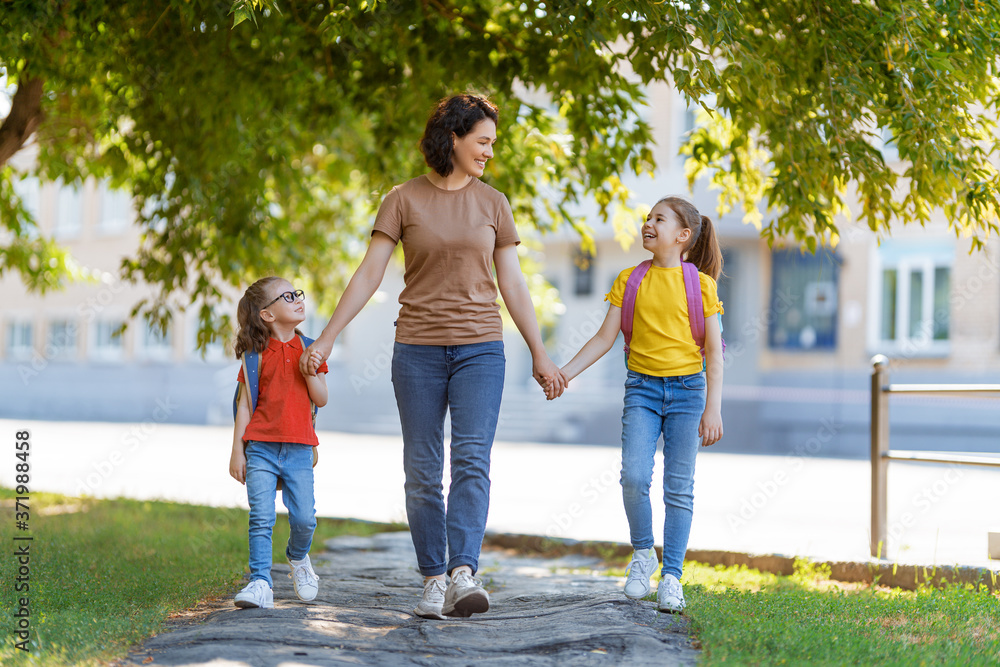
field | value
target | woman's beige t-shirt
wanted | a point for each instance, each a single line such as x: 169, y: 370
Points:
x: 448, y: 237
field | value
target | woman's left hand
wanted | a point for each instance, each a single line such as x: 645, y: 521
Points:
x: 550, y: 377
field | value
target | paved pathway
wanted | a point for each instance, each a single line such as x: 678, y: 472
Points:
x: 543, y: 612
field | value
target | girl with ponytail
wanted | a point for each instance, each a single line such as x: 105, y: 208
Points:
x: 670, y: 389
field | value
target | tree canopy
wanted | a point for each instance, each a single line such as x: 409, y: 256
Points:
x: 260, y: 137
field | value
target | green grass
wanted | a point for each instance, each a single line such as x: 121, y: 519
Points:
x: 106, y: 573
x: 745, y: 617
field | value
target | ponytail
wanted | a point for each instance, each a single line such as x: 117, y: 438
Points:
x: 705, y: 252
x: 703, y: 249
x: 253, y: 333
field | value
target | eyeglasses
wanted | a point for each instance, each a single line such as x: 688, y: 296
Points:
x: 289, y: 297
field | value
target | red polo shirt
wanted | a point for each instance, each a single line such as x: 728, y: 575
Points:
x: 284, y: 412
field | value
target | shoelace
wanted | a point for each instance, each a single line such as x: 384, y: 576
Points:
x: 302, y: 575
x: 674, y: 588
x: 463, y: 578
x: 639, y: 571
x: 434, y: 590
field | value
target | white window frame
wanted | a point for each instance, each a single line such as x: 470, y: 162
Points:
x: 15, y: 347
x: 153, y: 346
x: 106, y: 351
x: 907, y: 258
x: 67, y: 348
x: 69, y: 196
x: 116, y: 210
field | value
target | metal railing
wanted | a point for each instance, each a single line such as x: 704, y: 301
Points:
x: 880, y: 452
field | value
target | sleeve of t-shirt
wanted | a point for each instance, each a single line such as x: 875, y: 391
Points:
x: 617, y: 294
x: 322, y: 368
x: 710, y: 295
x: 239, y: 376
x: 506, y: 230
x: 389, y: 219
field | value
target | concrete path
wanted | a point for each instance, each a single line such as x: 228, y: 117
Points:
x: 794, y: 505
x: 543, y: 612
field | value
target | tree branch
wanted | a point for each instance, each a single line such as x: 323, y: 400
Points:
x: 24, y: 118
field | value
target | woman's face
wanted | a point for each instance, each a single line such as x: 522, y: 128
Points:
x: 473, y: 150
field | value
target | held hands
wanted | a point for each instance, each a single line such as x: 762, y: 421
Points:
x: 710, y: 428
x: 314, y: 356
x: 550, y: 377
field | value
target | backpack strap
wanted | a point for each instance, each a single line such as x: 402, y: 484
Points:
x: 250, y: 360
x: 696, y: 311
x: 628, y: 300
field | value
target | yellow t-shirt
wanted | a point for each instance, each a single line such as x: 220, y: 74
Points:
x: 662, y: 344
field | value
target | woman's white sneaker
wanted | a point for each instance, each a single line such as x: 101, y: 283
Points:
x: 255, y: 594
x: 304, y: 579
x: 640, y: 569
x: 670, y: 594
x: 432, y: 601
x: 465, y: 596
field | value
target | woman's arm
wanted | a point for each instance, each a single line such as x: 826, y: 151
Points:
x: 517, y: 298
x: 363, y: 284
x: 710, y: 428
x: 598, y: 346
x: 238, y: 458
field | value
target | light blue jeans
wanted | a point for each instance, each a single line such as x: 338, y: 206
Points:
x: 293, y: 463
x: 671, y: 406
x: 429, y: 380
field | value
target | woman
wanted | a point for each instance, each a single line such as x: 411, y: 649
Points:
x: 448, y: 353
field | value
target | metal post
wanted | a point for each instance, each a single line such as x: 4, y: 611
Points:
x: 879, y: 450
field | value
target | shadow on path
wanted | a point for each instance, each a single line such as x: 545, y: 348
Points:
x: 543, y: 612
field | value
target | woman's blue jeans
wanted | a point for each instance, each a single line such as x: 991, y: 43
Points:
x: 293, y: 463
x: 671, y: 406
x: 429, y: 380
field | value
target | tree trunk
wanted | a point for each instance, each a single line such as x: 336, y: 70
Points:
x: 24, y: 118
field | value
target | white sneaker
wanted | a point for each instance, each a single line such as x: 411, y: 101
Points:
x: 640, y: 569
x: 255, y: 594
x: 432, y: 601
x: 304, y: 579
x: 465, y: 596
x: 670, y: 594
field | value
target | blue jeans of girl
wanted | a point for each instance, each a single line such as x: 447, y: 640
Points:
x: 266, y: 462
x: 671, y: 407
x: 429, y: 380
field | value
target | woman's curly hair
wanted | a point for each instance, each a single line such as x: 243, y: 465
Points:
x: 458, y: 114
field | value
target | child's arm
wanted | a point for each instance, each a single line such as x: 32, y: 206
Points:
x: 710, y: 428
x: 364, y: 282
x: 598, y: 346
x: 316, y: 384
x: 238, y: 459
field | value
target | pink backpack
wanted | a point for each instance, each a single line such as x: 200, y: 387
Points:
x: 692, y: 288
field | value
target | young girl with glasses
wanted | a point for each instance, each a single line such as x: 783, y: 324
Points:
x: 276, y: 439
x: 667, y: 391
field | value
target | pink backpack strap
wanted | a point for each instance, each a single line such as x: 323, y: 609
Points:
x: 696, y: 310
x: 628, y: 300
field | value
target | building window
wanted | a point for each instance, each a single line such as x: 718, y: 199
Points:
x: 155, y: 344
x: 69, y: 212
x: 61, y: 340
x: 911, y: 301
x: 803, y: 300
x: 583, y: 274
x: 29, y: 190
x: 116, y: 210
x: 107, y: 343
x: 727, y: 295
x: 19, y: 340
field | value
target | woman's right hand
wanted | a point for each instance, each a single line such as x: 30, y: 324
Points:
x: 314, y: 356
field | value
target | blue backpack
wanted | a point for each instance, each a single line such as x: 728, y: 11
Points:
x: 251, y: 376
